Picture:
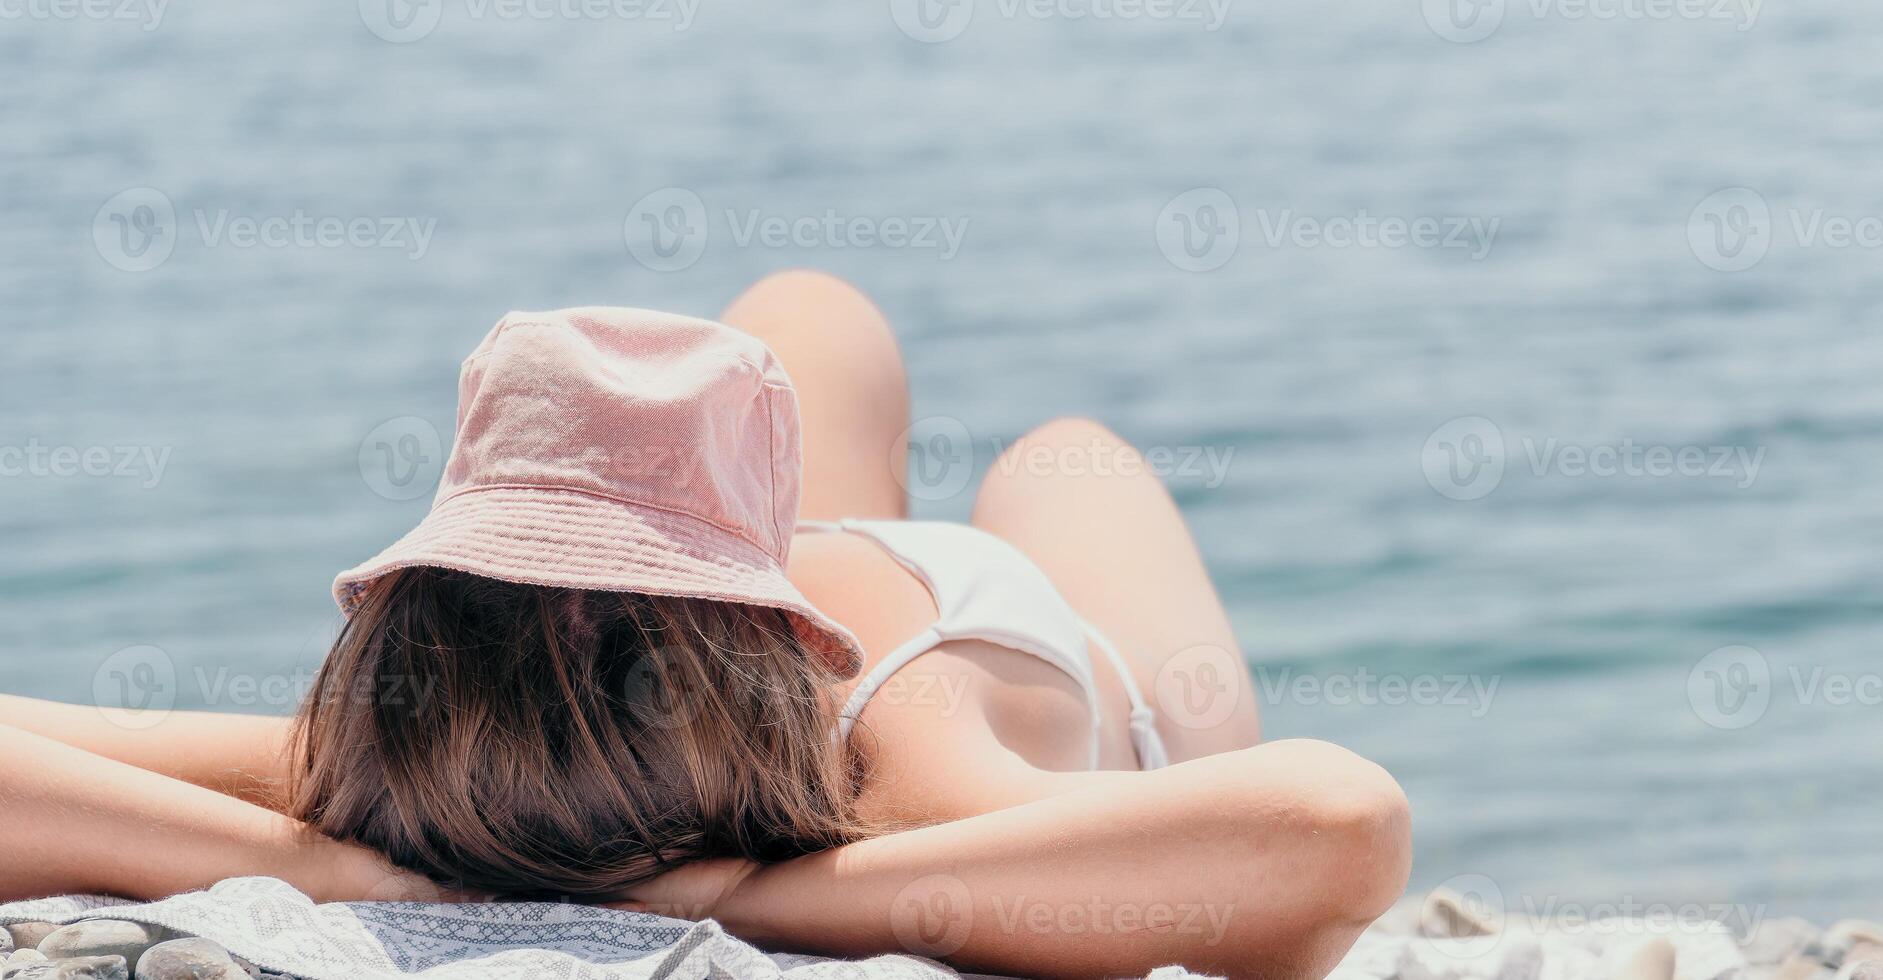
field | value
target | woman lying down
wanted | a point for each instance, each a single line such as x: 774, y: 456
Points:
x: 667, y: 641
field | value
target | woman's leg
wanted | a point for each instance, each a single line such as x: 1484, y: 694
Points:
x: 1081, y: 503
x: 853, y: 394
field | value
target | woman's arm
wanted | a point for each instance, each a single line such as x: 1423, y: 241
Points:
x: 244, y: 756
x: 1268, y: 861
x: 71, y: 821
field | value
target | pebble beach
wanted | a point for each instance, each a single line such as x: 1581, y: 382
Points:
x: 113, y: 949
x: 1432, y: 938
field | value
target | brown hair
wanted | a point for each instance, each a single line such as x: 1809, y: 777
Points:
x: 527, y: 740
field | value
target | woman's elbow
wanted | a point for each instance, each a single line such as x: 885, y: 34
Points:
x: 1365, y: 824
x: 1332, y: 839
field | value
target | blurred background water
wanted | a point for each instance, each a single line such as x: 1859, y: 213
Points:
x: 1075, y: 154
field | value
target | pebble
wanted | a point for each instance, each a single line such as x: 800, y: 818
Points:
x: 257, y: 972
x: 26, y: 935
x: 1774, y: 941
x: 189, y: 959
x: 1522, y: 961
x: 1838, y: 942
x: 20, y: 959
x: 73, y: 968
x: 1867, y: 970
x: 102, y: 937
x: 1652, y: 960
x: 1446, y: 915
x: 1802, y: 965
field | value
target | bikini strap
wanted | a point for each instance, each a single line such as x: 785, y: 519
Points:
x: 879, y: 675
x: 1144, y: 735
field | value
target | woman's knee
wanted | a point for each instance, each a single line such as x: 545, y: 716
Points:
x: 821, y: 325
x: 1074, y: 431
x: 795, y: 282
x: 1067, y: 447
x: 808, y: 297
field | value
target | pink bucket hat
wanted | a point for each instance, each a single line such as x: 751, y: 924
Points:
x: 622, y: 450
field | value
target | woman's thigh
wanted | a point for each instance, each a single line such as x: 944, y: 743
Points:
x: 1079, y: 501
x: 853, y: 393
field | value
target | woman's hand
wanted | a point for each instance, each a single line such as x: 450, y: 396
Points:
x: 693, y: 891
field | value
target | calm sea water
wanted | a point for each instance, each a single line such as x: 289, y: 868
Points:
x: 1152, y: 220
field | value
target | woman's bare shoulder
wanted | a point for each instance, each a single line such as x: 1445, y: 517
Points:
x: 859, y: 585
x: 961, y: 730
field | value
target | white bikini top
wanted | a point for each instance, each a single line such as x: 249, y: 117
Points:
x: 986, y: 589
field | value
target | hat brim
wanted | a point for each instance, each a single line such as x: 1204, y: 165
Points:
x: 570, y: 539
